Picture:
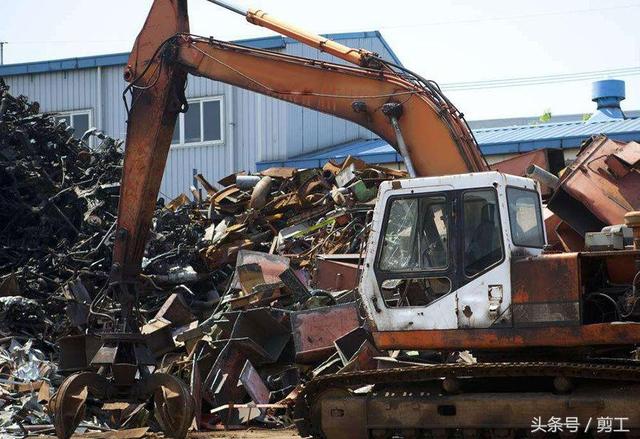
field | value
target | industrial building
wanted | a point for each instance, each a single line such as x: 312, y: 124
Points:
x: 228, y: 129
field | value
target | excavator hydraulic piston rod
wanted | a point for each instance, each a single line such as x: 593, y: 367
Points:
x: 543, y: 176
x: 230, y: 6
x: 359, y: 57
x: 394, y: 111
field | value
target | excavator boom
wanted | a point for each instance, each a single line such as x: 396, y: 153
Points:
x: 405, y: 110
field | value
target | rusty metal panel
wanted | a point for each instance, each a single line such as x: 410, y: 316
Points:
x: 261, y: 334
x: 295, y: 285
x: 550, y: 159
x: 221, y: 384
x: 546, y: 278
x: 253, y: 384
x: 570, y: 240
x: 158, y: 336
x: 314, y: 331
x: 76, y: 351
x: 534, y: 314
x: 620, y: 264
x: 614, y: 334
x: 176, y: 311
x: 249, y: 276
x: 349, y: 344
x: 366, y: 358
x: 592, y: 194
x: 271, y: 266
x: 622, y: 161
x: 334, y: 275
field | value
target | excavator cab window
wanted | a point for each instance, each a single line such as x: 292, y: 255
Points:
x: 525, y: 217
x: 416, y: 239
x: 416, y: 235
x: 414, y: 291
x: 482, y: 231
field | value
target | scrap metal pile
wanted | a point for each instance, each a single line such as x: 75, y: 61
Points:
x: 57, y: 204
x: 247, y: 288
x: 269, y: 299
x: 57, y: 199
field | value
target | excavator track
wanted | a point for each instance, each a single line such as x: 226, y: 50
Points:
x: 408, y: 377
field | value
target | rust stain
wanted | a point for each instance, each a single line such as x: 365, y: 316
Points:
x: 546, y: 278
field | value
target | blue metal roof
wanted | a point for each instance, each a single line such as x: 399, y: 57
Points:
x: 115, y: 59
x: 64, y: 64
x: 523, y: 138
x: 492, y: 141
x: 371, y: 151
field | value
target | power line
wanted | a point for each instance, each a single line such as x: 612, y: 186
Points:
x: 510, y: 17
x: 539, y: 80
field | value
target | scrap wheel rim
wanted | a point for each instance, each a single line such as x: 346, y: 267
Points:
x: 69, y: 403
x: 172, y: 402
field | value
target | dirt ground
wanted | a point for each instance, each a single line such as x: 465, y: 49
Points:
x: 289, y: 433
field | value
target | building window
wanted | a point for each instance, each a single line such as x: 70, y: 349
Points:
x: 79, y: 120
x: 202, y: 123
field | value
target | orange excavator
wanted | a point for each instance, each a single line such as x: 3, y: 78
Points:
x: 455, y: 259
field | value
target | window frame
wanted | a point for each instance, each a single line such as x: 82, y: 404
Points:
x: 444, y: 276
x: 72, y: 113
x: 463, y: 229
x: 181, y: 127
x: 540, y: 218
x: 448, y: 272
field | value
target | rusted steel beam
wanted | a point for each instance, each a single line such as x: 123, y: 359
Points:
x: 495, y: 339
x: 363, y: 417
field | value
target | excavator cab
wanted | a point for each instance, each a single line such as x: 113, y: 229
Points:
x: 456, y: 262
x: 443, y: 250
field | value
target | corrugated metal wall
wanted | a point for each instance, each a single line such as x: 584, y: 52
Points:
x: 114, y: 114
x: 59, y: 91
x: 256, y: 127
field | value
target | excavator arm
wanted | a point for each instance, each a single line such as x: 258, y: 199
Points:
x: 436, y: 142
x: 410, y: 113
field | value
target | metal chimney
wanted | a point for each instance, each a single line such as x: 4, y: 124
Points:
x: 607, y: 94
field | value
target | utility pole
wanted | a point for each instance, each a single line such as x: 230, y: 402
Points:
x: 2, y: 43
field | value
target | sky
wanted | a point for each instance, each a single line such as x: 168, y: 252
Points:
x: 449, y: 41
